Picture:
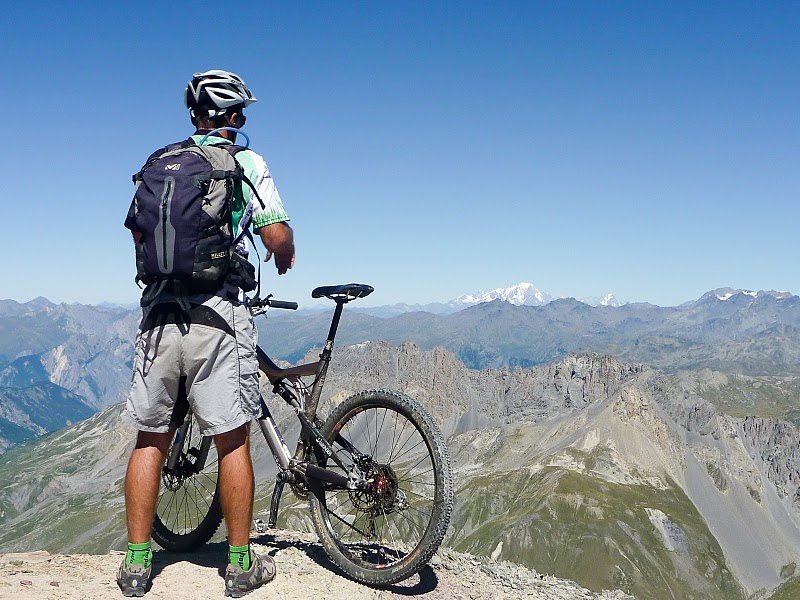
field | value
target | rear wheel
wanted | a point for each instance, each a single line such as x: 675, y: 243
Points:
x: 188, y: 512
x: 387, y: 530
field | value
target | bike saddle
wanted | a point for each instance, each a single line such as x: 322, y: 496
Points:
x: 343, y: 293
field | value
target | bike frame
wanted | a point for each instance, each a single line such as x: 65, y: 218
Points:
x: 376, y: 474
x: 304, y: 408
x: 293, y: 468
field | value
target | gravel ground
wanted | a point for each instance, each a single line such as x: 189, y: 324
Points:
x: 303, y: 571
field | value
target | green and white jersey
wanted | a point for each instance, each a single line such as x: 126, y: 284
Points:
x: 257, y: 171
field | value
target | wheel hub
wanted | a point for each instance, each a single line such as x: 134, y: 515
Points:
x: 381, y: 492
x: 173, y: 478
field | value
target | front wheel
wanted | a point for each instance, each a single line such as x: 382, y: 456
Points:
x: 188, y: 512
x: 388, y: 528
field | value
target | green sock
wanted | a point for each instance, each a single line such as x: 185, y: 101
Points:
x: 239, y: 555
x: 139, y: 554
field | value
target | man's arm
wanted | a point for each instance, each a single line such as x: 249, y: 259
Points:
x: 278, y: 238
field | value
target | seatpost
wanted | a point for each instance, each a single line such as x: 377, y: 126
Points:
x: 337, y: 315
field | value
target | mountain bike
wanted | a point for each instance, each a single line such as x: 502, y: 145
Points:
x: 376, y: 473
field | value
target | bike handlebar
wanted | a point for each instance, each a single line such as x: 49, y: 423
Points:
x: 282, y: 304
x: 270, y: 302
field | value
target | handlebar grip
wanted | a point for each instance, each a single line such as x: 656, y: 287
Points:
x: 282, y: 304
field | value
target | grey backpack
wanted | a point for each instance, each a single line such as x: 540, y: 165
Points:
x: 182, y: 208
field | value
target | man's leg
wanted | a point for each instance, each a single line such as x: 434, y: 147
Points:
x: 142, y: 483
x: 236, y: 483
x: 245, y: 571
x: 141, y: 494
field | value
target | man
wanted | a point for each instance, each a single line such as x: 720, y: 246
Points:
x: 204, y: 342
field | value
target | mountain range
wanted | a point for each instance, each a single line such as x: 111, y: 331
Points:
x: 521, y: 294
x: 748, y: 333
x: 612, y: 474
x: 79, y: 357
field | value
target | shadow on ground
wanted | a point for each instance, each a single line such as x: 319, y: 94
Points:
x: 215, y: 555
x: 422, y: 583
x: 210, y: 555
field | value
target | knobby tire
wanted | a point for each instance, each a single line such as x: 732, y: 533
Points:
x: 388, y: 532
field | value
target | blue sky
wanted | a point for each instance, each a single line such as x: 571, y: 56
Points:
x: 430, y: 149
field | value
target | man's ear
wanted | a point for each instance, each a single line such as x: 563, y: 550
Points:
x: 237, y: 119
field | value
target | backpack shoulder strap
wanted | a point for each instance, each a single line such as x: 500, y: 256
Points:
x: 160, y: 152
x: 234, y: 150
x: 170, y: 147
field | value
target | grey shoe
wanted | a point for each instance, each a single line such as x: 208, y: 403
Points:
x: 132, y: 580
x: 239, y: 582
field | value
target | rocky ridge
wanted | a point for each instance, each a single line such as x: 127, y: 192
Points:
x: 615, y: 422
x: 303, y: 571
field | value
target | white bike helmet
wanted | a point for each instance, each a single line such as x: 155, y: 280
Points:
x: 217, y: 91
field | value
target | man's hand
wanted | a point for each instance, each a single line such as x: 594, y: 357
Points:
x: 283, y: 262
x: 278, y: 239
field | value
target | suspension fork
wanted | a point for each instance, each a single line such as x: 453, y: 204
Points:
x: 178, y: 443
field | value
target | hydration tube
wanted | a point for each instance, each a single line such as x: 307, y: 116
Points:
x: 238, y: 131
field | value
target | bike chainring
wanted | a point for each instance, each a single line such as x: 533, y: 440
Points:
x: 300, y: 489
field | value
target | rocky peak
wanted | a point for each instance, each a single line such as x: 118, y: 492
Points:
x: 450, y: 390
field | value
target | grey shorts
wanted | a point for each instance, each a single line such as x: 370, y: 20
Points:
x: 212, y: 351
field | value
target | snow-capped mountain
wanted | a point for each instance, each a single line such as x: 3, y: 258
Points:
x: 727, y: 293
x: 522, y: 293
x: 607, y: 300
x: 526, y: 294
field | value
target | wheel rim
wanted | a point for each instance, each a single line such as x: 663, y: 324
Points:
x: 382, y: 525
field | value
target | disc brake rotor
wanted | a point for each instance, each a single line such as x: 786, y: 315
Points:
x: 378, y: 498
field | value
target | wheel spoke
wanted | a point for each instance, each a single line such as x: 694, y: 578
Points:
x: 387, y: 527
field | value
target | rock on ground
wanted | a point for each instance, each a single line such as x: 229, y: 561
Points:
x: 303, y: 571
